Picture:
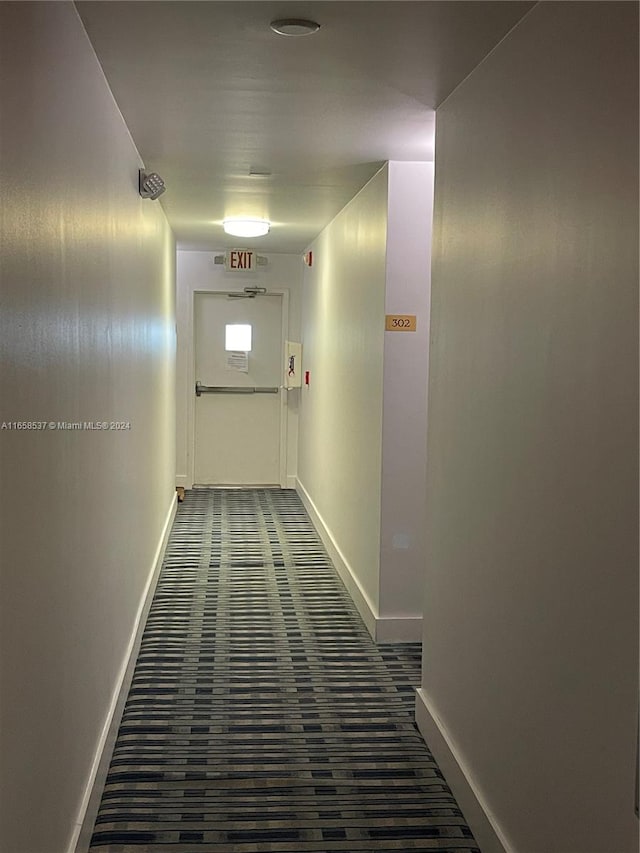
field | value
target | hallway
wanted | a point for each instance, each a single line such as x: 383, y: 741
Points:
x: 450, y: 198
x: 261, y: 715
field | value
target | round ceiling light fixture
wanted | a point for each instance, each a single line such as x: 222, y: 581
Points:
x: 294, y: 27
x: 246, y: 227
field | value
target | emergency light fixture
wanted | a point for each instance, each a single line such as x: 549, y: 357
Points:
x: 150, y: 184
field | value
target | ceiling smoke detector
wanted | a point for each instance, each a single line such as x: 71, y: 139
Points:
x: 294, y: 27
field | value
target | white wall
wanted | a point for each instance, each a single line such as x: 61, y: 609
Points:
x: 196, y: 271
x: 340, y: 445
x: 86, y: 334
x: 531, y: 614
x: 403, y: 503
x: 363, y: 418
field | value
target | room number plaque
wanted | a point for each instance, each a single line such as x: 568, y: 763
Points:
x: 400, y: 323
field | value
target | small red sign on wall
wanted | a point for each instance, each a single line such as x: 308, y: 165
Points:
x: 240, y: 260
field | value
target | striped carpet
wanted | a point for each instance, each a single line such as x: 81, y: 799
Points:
x: 262, y: 717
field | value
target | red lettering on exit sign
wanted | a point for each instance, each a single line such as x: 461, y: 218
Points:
x: 240, y: 260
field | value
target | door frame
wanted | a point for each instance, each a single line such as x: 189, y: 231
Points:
x: 191, y: 400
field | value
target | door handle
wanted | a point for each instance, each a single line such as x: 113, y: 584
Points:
x: 233, y: 389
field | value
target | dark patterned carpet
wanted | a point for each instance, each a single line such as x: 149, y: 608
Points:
x: 262, y: 717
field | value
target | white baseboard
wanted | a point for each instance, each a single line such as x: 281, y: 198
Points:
x: 88, y: 811
x: 359, y: 596
x: 485, y: 827
x: 399, y: 629
x: 383, y: 629
x: 184, y: 481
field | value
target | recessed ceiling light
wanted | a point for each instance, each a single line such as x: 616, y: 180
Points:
x: 246, y: 227
x: 294, y: 27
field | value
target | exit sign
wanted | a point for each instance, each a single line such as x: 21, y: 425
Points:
x: 240, y: 260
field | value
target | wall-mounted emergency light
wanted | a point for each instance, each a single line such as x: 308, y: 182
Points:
x: 150, y: 184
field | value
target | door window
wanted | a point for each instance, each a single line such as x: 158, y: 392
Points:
x: 237, y: 337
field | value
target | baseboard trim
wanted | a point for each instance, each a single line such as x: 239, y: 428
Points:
x: 359, y: 596
x: 399, y: 629
x: 184, y: 481
x: 383, y: 629
x: 88, y: 811
x: 485, y: 827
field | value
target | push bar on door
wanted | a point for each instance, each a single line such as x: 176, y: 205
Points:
x: 232, y: 389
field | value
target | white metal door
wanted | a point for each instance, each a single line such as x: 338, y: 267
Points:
x: 237, y: 429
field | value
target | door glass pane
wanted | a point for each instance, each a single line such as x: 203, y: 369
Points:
x: 237, y: 337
